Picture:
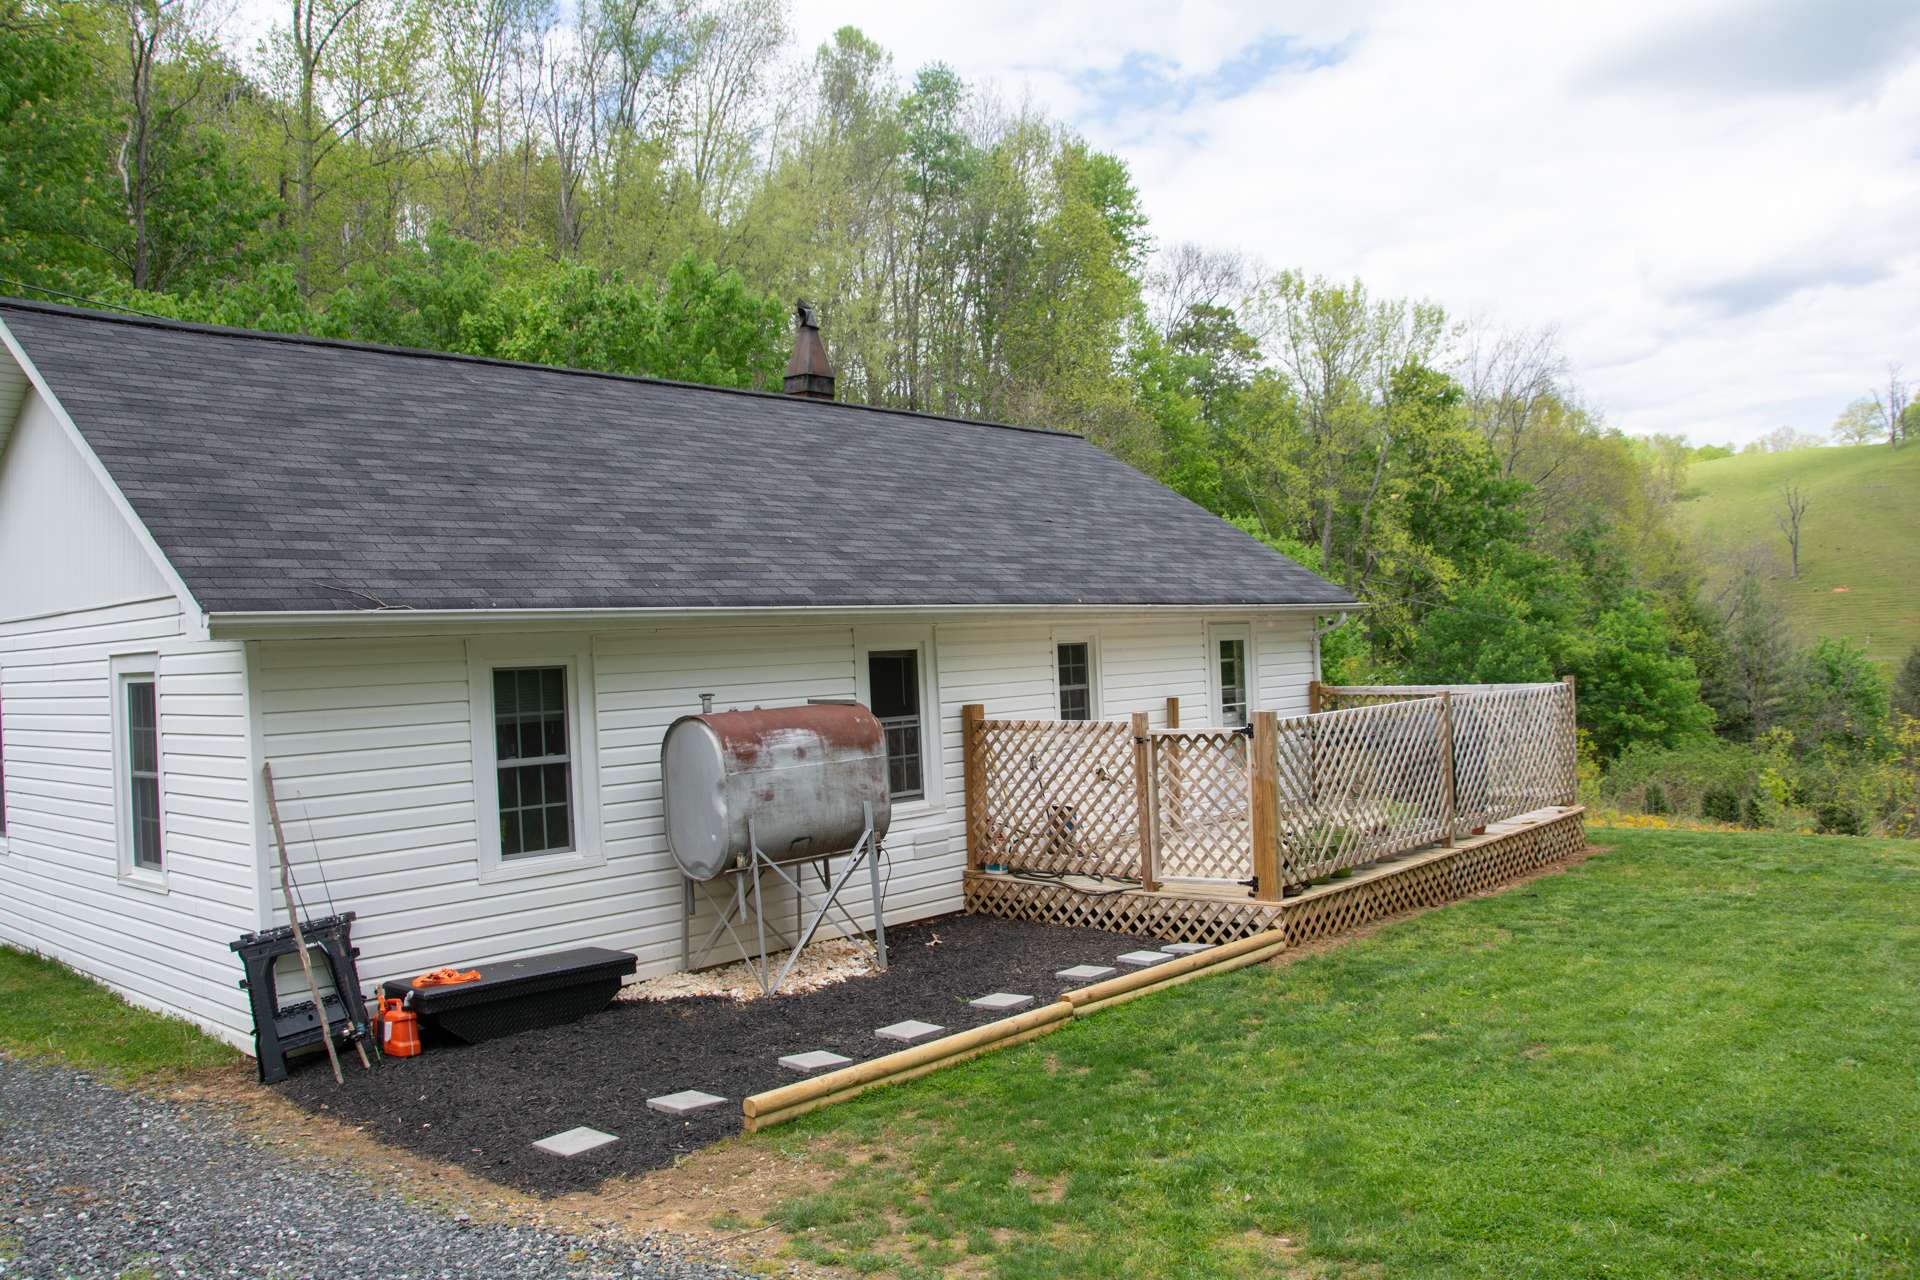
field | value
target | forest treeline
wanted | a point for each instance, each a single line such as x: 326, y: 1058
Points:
x: 644, y: 186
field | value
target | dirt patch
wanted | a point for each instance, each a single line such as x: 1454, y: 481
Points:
x: 480, y: 1107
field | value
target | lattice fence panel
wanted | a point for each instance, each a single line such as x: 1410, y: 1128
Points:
x: 1359, y: 785
x: 1441, y: 878
x: 1513, y: 751
x: 1060, y: 795
x: 1168, y: 917
x: 1202, y: 819
x: 1513, y: 744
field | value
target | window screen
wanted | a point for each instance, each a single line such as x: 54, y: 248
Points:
x: 533, y: 760
x: 142, y: 711
x: 1233, y: 682
x: 893, y: 680
x: 1076, y: 680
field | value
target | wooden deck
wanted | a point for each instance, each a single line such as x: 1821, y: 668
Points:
x: 1222, y: 910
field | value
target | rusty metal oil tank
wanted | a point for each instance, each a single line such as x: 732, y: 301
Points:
x: 803, y: 774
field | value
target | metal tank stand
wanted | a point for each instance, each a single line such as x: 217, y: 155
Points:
x: 748, y: 897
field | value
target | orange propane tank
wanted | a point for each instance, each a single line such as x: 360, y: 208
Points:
x: 399, y: 1029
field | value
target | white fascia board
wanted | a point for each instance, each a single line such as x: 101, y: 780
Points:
x: 195, y: 615
x: 328, y: 623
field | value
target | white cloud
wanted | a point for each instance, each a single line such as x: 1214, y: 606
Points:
x: 1716, y: 203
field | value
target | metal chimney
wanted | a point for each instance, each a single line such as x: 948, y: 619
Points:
x: 808, y: 373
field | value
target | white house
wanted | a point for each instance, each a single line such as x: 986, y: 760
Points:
x: 379, y: 570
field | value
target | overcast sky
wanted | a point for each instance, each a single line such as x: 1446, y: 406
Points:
x: 1718, y: 203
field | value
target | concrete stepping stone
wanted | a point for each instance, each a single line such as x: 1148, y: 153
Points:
x: 1087, y: 972
x: 683, y: 1103
x: 813, y: 1060
x: 1141, y: 959
x: 1186, y: 948
x: 912, y: 1031
x: 1002, y: 1002
x: 574, y: 1142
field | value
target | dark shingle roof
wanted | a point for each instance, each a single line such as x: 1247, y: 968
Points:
x: 293, y: 474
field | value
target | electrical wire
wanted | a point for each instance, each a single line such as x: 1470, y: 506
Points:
x: 10, y: 282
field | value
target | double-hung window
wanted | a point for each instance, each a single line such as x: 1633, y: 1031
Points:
x: 535, y: 763
x: 139, y: 804
x: 533, y: 760
x: 1073, y: 665
x: 893, y: 681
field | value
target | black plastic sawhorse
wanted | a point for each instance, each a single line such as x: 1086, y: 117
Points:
x: 278, y: 1031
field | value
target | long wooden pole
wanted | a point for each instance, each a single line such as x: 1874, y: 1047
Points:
x: 299, y: 936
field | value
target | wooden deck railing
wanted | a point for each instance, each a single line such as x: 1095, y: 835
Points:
x: 1288, y: 800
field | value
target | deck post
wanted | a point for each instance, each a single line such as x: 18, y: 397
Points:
x: 976, y: 785
x: 1446, y: 765
x: 1263, y: 793
x: 1143, y: 796
x: 1313, y: 697
x: 1573, y: 738
x: 1173, y: 710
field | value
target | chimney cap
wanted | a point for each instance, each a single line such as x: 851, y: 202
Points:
x: 809, y: 373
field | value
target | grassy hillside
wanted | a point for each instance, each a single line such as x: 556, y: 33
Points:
x: 1860, y: 551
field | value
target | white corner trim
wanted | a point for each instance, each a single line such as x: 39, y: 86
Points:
x: 195, y: 615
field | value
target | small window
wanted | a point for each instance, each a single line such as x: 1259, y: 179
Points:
x: 1075, y: 660
x: 140, y: 729
x: 533, y: 760
x: 893, y: 679
x: 1232, y: 657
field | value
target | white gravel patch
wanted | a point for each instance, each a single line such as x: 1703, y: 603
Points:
x: 821, y: 965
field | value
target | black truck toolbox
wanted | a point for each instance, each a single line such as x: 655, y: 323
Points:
x: 511, y: 996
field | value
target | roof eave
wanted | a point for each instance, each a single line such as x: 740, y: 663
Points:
x: 268, y: 624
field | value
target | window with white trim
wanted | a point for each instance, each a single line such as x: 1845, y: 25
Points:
x: 139, y: 785
x: 1073, y: 671
x: 1230, y: 672
x: 533, y: 760
x: 894, y: 695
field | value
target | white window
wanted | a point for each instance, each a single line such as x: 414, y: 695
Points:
x: 536, y: 794
x: 1230, y: 672
x: 896, y: 682
x: 139, y: 790
x: 1075, y: 676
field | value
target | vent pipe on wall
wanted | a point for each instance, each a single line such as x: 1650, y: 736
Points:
x: 808, y: 372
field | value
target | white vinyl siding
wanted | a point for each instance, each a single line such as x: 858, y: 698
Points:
x: 61, y: 889
x: 64, y: 544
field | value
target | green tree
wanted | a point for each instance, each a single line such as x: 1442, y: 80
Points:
x: 54, y: 117
x: 1634, y: 686
x: 1835, y: 697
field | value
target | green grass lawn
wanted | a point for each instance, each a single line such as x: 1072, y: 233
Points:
x: 1862, y: 532
x: 1695, y: 1055
x: 49, y: 1011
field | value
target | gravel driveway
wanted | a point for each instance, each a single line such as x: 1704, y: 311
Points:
x: 95, y: 1181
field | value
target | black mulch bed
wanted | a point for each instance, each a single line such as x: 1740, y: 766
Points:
x: 482, y: 1106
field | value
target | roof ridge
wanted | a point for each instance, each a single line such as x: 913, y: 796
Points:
x: 143, y: 320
